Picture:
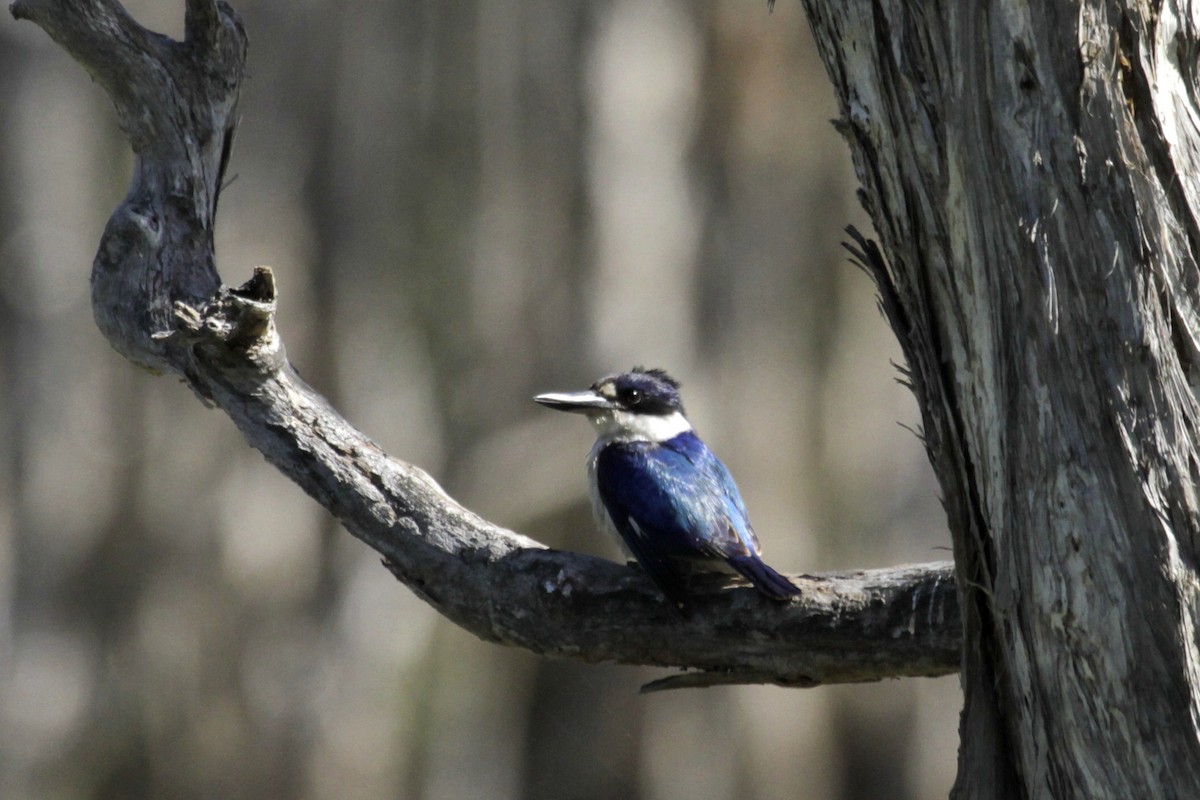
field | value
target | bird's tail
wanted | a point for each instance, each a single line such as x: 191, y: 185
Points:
x: 765, y: 579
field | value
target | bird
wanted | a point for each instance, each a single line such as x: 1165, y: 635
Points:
x: 659, y: 492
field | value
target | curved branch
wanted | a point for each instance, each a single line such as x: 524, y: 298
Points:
x: 158, y: 300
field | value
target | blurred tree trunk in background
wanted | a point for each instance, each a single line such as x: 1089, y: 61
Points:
x: 475, y: 201
x: 466, y: 203
x: 1034, y: 172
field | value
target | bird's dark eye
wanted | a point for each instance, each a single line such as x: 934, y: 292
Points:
x: 633, y: 397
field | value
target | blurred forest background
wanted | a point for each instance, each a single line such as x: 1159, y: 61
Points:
x: 465, y: 203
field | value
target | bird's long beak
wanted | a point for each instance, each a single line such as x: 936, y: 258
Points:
x: 579, y: 402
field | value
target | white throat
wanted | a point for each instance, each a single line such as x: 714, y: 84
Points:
x: 622, y: 426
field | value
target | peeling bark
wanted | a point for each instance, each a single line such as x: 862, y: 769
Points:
x: 1031, y: 169
x: 158, y: 299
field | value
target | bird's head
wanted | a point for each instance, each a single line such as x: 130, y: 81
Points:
x: 639, y: 405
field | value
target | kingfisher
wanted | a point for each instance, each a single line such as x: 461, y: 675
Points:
x: 658, y: 490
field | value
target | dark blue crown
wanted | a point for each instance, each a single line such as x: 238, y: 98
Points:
x: 645, y: 391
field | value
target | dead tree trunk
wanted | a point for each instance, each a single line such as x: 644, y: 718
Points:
x: 1033, y: 170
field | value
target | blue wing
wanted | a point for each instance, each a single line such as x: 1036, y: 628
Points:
x: 675, y: 501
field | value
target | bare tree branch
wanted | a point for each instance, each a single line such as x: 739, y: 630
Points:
x: 158, y: 299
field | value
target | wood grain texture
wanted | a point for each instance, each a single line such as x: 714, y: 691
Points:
x: 1031, y: 171
x: 159, y: 300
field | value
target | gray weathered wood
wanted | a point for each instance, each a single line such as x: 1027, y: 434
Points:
x: 158, y: 299
x: 1031, y: 168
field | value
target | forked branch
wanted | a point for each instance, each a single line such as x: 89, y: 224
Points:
x: 158, y: 299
